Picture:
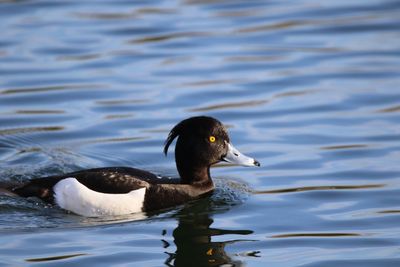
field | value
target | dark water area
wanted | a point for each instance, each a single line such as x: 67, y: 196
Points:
x: 309, y: 88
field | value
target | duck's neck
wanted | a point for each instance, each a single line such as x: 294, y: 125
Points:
x: 196, y: 175
x: 192, y: 167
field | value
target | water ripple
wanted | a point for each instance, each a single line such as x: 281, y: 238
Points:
x: 319, y: 188
x: 294, y: 235
x: 308, y: 88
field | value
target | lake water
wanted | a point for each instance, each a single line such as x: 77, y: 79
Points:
x: 309, y: 88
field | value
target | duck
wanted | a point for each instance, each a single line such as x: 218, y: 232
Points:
x: 202, y: 141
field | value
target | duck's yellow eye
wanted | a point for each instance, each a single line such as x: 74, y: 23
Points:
x: 212, y: 139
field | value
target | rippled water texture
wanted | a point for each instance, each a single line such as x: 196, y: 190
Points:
x: 309, y: 88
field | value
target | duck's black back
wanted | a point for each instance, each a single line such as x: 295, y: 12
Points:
x: 115, y: 180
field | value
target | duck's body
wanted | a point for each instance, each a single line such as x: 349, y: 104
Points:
x: 159, y: 192
x: 202, y: 141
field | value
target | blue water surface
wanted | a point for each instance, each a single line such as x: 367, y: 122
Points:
x: 309, y: 88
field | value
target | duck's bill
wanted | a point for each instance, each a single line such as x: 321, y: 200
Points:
x: 234, y: 156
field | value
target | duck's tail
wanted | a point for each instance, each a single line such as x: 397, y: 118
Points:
x: 6, y: 192
x: 6, y: 189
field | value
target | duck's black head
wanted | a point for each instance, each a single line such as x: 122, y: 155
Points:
x: 202, y: 141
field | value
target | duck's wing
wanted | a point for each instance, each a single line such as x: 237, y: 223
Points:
x: 105, y: 180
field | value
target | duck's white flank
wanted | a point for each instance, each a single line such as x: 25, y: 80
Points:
x: 71, y: 195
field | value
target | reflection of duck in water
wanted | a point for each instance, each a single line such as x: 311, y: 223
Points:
x: 194, y: 245
x: 202, y: 141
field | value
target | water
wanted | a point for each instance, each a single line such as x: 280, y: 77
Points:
x: 309, y: 88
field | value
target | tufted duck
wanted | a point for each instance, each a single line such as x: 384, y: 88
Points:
x: 202, y: 141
